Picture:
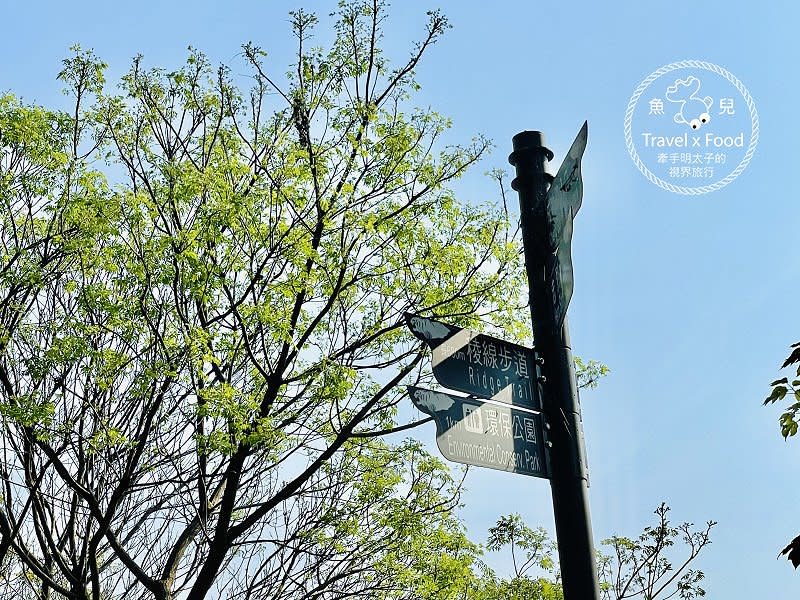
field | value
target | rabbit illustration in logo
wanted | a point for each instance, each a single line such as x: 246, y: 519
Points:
x: 693, y: 110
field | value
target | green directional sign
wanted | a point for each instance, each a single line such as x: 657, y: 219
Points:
x: 560, y: 276
x: 564, y: 198
x: 565, y: 194
x: 478, y: 364
x: 475, y: 432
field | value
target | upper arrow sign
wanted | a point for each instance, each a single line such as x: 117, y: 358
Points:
x: 478, y: 364
x: 566, y: 191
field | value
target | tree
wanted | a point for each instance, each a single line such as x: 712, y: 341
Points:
x: 781, y: 389
x: 531, y: 552
x: 642, y: 567
x: 201, y: 334
x: 637, y: 567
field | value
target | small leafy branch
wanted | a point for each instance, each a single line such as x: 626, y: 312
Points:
x: 589, y: 373
x: 782, y: 388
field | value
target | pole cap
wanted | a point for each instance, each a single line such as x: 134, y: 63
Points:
x: 528, y: 141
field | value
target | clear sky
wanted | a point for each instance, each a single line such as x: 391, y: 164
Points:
x: 691, y: 300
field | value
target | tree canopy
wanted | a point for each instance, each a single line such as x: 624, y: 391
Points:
x: 656, y: 565
x: 202, y: 285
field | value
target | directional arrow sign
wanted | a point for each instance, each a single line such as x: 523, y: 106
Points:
x: 474, y: 363
x: 566, y: 191
x: 563, y: 201
x: 474, y: 432
x: 560, y: 276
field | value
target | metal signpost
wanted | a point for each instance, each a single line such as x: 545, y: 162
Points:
x: 547, y: 207
x: 523, y: 414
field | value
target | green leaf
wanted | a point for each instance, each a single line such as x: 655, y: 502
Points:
x: 793, y: 357
x: 778, y: 393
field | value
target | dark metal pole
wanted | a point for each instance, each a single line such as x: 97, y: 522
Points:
x: 561, y: 407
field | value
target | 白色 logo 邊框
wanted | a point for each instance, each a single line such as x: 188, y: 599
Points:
x: 691, y: 127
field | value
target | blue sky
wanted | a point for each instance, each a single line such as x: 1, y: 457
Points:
x: 691, y: 300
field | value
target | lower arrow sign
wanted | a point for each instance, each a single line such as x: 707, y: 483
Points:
x: 476, y: 432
